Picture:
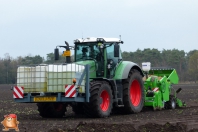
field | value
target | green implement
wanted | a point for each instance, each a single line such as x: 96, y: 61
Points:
x: 159, y: 92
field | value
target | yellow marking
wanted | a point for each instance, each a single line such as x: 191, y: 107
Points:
x: 44, y: 99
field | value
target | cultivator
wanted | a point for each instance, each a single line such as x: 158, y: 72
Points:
x: 159, y: 91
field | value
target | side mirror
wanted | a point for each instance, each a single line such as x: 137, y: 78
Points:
x: 116, y: 50
x: 56, y: 54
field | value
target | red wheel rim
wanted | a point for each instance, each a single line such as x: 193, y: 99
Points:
x: 105, y: 100
x: 135, y: 93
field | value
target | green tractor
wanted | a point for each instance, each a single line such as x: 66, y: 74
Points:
x: 97, y: 82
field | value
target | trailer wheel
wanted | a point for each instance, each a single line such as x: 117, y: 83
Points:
x: 52, y: 110
x: 101, y: 99
x: 133, y: 92
x: 171, y: 104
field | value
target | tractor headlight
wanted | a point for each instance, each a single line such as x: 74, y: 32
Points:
x: 100, y: 40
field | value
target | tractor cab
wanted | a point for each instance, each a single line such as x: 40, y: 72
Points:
x: 104, y: 52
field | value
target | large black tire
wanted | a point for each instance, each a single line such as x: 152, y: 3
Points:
x: 52, y: 110
x: 77, y: 108
x: 133, y: 92
x: 171, y: 104
x: 101, y: 100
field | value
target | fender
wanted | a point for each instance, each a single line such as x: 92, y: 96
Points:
x: 123, y: 69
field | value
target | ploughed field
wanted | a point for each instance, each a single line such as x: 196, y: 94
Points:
x: 177, y: 120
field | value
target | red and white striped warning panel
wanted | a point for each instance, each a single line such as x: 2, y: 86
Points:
x: 18, y: 92
x: 155, y: 89
x: 70, y: 91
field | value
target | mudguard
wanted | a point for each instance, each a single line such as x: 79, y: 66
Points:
x: 123, y: 69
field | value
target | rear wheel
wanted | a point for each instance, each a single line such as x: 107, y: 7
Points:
x: 133, y: 92
x: 52, y: 109
x: 101, y: 99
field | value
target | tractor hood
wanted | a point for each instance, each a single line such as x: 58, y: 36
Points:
x: 92, y: 65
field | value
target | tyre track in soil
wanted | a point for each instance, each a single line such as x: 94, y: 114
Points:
x: 184, y: 123
x: 29, y: 118
x: 191, y: 122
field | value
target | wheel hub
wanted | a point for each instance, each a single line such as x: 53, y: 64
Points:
x: 104, y: 99
x: 173, y: 104
x: 135, y: 93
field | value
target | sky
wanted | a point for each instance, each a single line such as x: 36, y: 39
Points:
x: 36, y: 27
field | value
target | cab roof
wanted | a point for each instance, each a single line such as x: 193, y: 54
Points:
x: 95, y: 39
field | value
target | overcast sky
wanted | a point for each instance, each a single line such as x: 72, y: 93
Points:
x: 35, y: 27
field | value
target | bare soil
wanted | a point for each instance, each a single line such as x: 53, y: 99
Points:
x: 177, y: 120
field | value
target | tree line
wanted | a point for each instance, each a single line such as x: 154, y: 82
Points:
x: 185, y: 63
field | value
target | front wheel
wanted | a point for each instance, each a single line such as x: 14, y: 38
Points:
x: 101, y: 99
x: 133, y: 92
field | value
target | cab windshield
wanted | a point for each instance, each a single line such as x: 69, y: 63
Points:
x: 86, y: 51
x: 93, y: 50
